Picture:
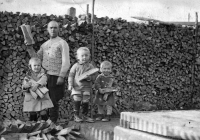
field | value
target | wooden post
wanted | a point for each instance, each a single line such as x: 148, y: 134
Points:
x: 93, y: 47
x: 188, y: 17
x: 88, y: 21
x: 194, y: 57
x: 87, y: 9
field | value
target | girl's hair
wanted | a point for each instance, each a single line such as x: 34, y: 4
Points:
x: 83, y: 49
x: 34, y: 59
x: 106, y: 63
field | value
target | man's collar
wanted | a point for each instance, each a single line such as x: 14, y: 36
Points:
x: 53, y: 38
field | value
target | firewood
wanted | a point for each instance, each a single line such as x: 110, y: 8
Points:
x: 15, y: 136
x: 88, y: 73
x: 59, y: 137
x: 34, y: 133
x: 50, y: 137
x: 76, y: 134
x: 27, y: 128
x: 71, y: 136
x: 23, y: 136
x: 64, y: 131
x: 151, y: 62
x: 2, y: 130
x: 109, y: 89
x: 38, y: 126
x: 20, y: 128
x: 44, y: 136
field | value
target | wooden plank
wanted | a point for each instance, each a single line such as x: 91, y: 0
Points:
x: 88, y: 73
x: 121, y: 133
x: 166, y: 123
x: 15, y: 136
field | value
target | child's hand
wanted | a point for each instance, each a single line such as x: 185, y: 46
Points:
x: 102, y: 91
x: 34, y: 87
x: 70, y: 87
x: 28, y: 85
x: 89, y: 78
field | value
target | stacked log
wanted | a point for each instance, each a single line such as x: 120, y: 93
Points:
x: 152, y: 62
x: 41, y: 130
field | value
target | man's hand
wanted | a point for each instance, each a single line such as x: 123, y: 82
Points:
x: 89, y: 78
x: 102, y: 91
x: 60, y: 80
x: 70, y: 87
x: 27, y: 85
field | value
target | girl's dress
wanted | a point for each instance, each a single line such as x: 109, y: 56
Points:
x: 31, y: 104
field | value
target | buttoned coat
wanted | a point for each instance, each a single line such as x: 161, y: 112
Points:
x: 31, y: 104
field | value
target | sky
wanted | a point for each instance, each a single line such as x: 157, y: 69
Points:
x: 165, y: 10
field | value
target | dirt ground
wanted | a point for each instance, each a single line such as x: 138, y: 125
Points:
x: 105, y: 126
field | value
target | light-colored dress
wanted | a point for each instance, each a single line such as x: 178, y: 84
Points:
x: 30, y: 103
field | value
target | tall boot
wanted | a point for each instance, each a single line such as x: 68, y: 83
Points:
x: 44, y: 117
x: 85, y: 107
x: 33, y: 116
x: 76, y: 111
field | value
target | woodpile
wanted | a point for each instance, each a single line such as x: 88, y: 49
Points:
x: 152, y: 62
x: 41, y: 130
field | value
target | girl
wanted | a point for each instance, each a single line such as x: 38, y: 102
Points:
x: 36, y: 94
x: 81, y: 90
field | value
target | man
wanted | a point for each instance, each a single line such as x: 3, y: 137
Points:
x: 54, y: 54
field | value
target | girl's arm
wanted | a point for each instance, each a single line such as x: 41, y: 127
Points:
x: 26, y: 84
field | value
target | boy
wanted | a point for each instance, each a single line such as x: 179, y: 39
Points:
x: 104, y: 98
x: 81, y: 89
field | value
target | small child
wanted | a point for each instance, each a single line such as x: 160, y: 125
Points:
x: 36, y: 94
x: 102, y: 98
x: 81, y: 90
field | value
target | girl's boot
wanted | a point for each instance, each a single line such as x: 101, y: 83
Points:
x: 33, y: 116
x: 43, y: 115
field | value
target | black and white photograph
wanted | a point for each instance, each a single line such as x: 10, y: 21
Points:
x: 99, y: 69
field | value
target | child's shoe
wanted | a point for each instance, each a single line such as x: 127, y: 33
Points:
x: 88, y: 119
x: 100, y: 117
x: 77, y: 118
x: 106, y: 119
